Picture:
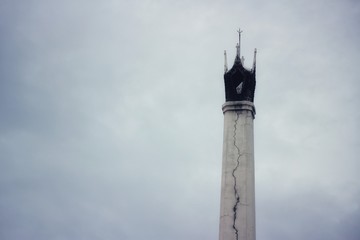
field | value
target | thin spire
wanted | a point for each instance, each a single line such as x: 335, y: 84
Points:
x: 238, y: 45
x: 225, y: 63
x: 254, y: 63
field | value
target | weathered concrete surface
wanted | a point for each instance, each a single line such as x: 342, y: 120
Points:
x: 237, y: 209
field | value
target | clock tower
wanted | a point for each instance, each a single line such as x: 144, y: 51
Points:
x: 237, y: 204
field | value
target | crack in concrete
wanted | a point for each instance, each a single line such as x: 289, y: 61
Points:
x: 237, y: 196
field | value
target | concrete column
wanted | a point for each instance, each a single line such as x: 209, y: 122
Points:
x: 237, y: 206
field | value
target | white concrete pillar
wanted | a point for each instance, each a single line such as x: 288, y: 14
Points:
x: 237, y: 206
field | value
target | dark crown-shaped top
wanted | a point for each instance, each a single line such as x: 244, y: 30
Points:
x: 239, y: 81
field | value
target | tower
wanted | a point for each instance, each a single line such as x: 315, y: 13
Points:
x: 237, y: 204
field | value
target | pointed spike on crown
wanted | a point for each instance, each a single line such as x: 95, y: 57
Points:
x: 254, y: 64
x: 237, y: 50
x: 239, y: 43
x: 225, y: 62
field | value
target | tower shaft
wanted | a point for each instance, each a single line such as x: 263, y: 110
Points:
x: 237, y: 209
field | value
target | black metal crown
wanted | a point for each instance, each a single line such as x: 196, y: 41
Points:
x: 240, y: 82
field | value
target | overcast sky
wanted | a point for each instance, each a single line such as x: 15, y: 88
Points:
x: 111, y: 122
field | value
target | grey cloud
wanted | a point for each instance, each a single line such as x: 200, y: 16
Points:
x: 111, y: 123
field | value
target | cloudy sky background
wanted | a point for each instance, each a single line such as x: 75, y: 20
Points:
x: 111, y: 122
